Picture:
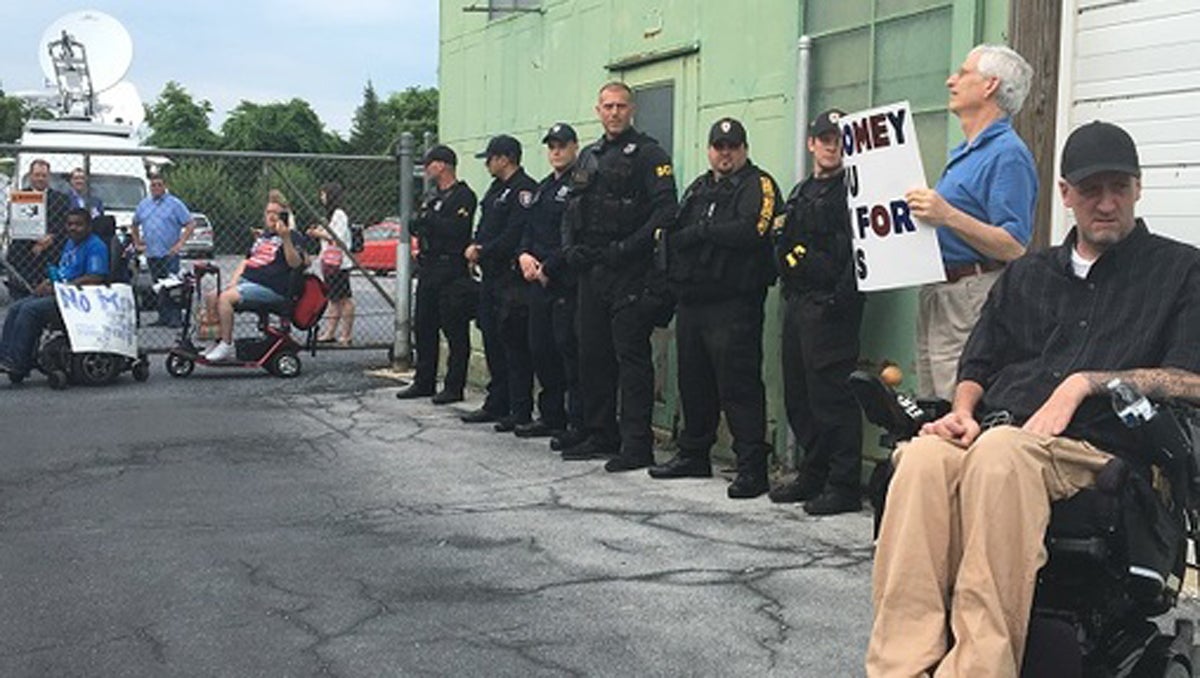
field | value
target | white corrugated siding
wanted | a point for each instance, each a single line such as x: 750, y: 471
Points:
x: 1137, y: 63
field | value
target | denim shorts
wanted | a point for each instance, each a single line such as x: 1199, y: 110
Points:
x: 252, y: 292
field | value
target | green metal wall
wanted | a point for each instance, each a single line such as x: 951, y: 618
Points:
x: 519, y: 73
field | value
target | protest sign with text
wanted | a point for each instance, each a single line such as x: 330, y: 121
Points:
x: 99, y: 318
x: 883, y: 161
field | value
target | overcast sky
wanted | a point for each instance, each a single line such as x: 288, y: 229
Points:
x: 322, y: 51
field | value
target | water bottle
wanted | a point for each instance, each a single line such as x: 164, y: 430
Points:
x: 1132, y: 408
x: 53, y: 273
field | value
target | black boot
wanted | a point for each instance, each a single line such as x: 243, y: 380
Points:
x: 748, y: 486
x: 570, y: 438
x: 479, y: 416
x: 592, y: 448
x: 445, y: 397
x: 414, y: 391
x: 681, y: 466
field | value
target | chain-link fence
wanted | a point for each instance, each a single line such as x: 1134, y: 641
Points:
x: 225, y: 193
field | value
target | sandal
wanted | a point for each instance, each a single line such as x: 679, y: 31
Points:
x: 324, y: 340
x: 344, y: 343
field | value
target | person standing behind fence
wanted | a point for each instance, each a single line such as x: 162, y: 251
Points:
x: 29, y: 257
x: 983, y: 207
x: 81, y: 197
x: 505, y: 209
x: 161, y: 226
x: 335, y: 266
x: 445, y: 293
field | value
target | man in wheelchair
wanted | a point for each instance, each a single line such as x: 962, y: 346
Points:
x: 263, y: 278
x: 961, y: 539
x: 84, y: 261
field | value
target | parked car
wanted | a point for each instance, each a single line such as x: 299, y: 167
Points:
x: 379, y: 246
x: 200, y: 244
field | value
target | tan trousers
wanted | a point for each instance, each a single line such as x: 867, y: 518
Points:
x: 959, y: 550
x: 946, y: 313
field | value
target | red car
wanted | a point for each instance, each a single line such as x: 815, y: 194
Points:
x: 379, y: 247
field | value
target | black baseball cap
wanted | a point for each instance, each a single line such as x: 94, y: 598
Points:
x: 503, y: 145
x: 440, y: 153
x: 560, y: 131
x: 728, y: 130
x: 1099, y: 147
x: 826, y: 121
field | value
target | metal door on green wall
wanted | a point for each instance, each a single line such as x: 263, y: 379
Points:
x: 665, y: 98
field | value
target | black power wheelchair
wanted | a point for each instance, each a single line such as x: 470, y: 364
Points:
x: 55, y: 357
x: 1117, y: 553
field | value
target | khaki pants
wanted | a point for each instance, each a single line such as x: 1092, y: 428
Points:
x: 959, y: 550
x: 946, y: 314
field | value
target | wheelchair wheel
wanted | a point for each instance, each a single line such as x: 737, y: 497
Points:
x: 284, y: 364
x: 95, y: 369
x: 57, y: 379
x: 141, y: 368
x: 14, y: 378
x: 179, y: 366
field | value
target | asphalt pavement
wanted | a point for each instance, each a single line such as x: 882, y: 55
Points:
x: 235, y: 524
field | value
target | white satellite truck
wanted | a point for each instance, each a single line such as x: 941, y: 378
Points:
x: 87, y: 54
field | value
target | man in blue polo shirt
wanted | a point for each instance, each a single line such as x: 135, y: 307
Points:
x: 84, y: 261
x: 983, y: 206
x: 161, y: 226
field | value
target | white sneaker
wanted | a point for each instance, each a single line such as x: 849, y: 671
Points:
x: 220, y: 353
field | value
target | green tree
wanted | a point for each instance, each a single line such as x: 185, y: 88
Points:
x: 291, y: 127
x: 179, y: 121
x: 414, y: 110
x: 12, y: 118
x: 372, y: 132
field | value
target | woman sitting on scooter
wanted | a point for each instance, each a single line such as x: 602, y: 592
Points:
x: 263, y: 277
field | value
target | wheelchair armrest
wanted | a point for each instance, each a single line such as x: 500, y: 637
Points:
x: 896, y: 413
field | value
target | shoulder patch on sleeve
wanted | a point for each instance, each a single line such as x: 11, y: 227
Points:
x: 767, y: 213
x: 664, y: 171
x: 463, y: 212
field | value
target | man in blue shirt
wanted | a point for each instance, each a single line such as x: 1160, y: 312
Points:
x: 161, y: 226
x: 84, y: 261
x: 983, y: 207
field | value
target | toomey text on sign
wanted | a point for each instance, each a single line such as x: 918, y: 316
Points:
x: 883, y: 161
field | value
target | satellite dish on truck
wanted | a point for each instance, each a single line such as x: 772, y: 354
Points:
x: 85, y: 53
x: 121, y: 105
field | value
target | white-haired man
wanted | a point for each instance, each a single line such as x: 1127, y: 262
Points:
x: 983, y: 206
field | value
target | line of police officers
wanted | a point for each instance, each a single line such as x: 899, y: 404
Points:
x: 579, y: 269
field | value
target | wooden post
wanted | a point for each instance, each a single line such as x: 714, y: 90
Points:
x: 1033, y: 27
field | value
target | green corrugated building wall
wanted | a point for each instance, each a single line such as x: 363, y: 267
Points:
x: 516, y: 66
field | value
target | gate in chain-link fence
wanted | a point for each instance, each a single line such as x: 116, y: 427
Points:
x: 226, y: 193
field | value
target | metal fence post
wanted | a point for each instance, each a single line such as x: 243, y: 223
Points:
x: 401, y: 348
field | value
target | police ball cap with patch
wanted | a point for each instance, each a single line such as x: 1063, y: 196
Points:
x: 826, y: 121
x: 501, y: 144
x: 1099, y: 147
x: 727, y: 130
x: 440, y: 153
x: 561, y: 132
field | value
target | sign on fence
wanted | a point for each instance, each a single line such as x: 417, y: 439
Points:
x: 99, y: 318
x: 883, y: 161
x: 27, y: 215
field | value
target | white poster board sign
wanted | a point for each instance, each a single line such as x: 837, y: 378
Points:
x: 892, y: 248
x: 99, y: 318
x: 26, y: 215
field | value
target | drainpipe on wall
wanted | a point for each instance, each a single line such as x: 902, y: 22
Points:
x: 803, y: 61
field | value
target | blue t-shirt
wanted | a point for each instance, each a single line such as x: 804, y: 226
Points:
x: 994, y: 180
x: 161, y: 220
x: 89, y: 257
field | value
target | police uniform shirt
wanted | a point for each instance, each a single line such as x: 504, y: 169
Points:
x: 505, y: 210
x: 813, y: 238
x: 443, y: 223
x: 543, y: 233
x: 633, y: 167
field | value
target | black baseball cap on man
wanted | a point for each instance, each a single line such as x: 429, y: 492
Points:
x: 501, y: 144
x: 826, y: 121
x: 561, y: 132
x: 440, y: 153
x: 1099, y: 147
x: 728, y: 130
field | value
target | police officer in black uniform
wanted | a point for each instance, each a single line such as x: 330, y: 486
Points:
x: 552, y: 293
x: 445, y: 292
x: 821, y: 320
x: 719, y: 265
x: 503, y: 310
x: 622, y: 192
